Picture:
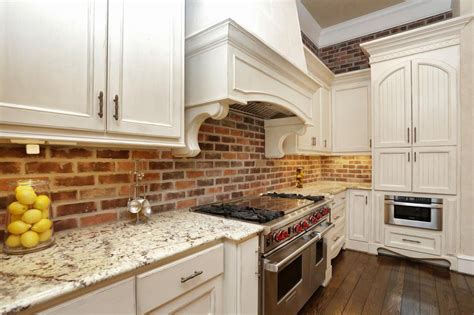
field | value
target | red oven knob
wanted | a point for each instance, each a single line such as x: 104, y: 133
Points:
x: 304, y: 224
x: 313, y: 219
x: 318, y: 216
x: 280, y: 236
x: 297, y: 228
x: 326, y: 211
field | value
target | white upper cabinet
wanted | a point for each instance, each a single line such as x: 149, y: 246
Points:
x: 97, y: 71
x: 434, y: 102
x: 53, y: 63
x: 392, y: 107
x: 351, y: 123
x: 392, y: 169
x: 146, y: 51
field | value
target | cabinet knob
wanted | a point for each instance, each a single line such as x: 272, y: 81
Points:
x: 313, y: 141
x: 101, y: 104
x: 116, y: 102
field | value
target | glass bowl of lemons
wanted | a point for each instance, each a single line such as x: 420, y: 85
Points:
x: 29, y: 225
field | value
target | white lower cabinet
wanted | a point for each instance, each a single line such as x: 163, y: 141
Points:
x: 337, y: 236
x: 118, y: 298
x: 358, y: 220
x: 172, y: 288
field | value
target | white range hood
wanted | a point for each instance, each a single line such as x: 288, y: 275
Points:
x: 225, y: 64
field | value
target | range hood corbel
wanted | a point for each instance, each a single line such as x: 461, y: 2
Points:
x: 225, y: 64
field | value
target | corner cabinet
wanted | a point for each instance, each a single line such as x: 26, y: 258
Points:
x: 111, y: 74
x: 358, y: 224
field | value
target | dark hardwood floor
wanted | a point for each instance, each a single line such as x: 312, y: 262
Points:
x: 366, y: 284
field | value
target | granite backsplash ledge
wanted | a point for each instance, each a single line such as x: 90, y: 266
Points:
x: 90, y: 186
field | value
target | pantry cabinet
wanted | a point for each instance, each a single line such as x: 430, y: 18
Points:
x: 95, y: 71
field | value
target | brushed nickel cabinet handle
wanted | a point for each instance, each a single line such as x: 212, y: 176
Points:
x: 101, y: 104
x: 365, y: 199
x: 337, y: 218
x: 414, y: 135
x: 408, y: 134
x: 336, y: 238
x: 325, y: 143
x: 194, y: 275
x: 408, y: 156
x: 410, y: 241
x: 370, y: 143
x: 313, y: 141
x: 414, y: 157
x: 116, y: 102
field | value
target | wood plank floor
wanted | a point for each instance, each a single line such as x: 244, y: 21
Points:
x: 366, y: 284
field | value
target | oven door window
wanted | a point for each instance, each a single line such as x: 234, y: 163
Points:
x: 289, y: 277
x: 412, y: 213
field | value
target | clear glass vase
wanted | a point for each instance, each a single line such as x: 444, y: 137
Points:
x: 29, y: 224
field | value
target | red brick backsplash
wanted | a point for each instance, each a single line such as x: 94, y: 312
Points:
x: 91, y: 185
x: 348, y: 56
x: 347, y: 168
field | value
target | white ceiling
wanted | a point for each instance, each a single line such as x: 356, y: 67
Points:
x: 328, y: 22
x: 331, y: 12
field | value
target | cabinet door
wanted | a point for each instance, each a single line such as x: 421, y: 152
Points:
x: 117, y: 298
x: 392, y: 107
x: 434, y: 103
x: 53, y: 63
x: 350, y: 117
x: 393, y: 169
x: 358, y: 218
x: 434, y: 170
x: 205, y: 299
x: 146, y: 62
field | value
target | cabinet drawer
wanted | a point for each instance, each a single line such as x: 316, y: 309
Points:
x: 340, y: 199
x: 336, y: 239
x: 418, y: 241
x: 170, y: 281
x: 338, y: 213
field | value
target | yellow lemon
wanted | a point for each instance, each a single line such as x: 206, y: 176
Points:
x: 46, y: 235
x: 13, y: 241
x: 32, y: 216
x: 29, y: 239
x: 45, y: 213
x: 15, y: 217
x: 26, y: 196
x: 18, y: 227
x: 17, y: 208
x: 42, y: 202
x: 42, y: 225
x: 21, y: 187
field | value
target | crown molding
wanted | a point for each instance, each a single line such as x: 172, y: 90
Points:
x: 352, y: 76
x: 435, y: 36
x: 317, y: 69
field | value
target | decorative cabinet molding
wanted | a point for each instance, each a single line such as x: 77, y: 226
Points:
x: 59, y: 93
x: 225, y: 65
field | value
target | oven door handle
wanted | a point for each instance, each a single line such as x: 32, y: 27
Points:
x: 272, y: 266
x: 414, y: 205
x: 275, y: 266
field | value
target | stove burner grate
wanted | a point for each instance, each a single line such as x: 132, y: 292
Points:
x: 295, y: 196
x: 241, y: 212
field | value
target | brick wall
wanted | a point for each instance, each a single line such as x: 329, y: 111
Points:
x: 347, y: 168
x: 91, y: 185
x: 348, y: 56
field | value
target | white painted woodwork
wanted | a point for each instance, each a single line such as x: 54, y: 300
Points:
x: 451, y: 223
x: 241, y: 277
x: 277, y: 131
x: 434, y: 103
x: 205, y: 299
x: 53, y: 63
x: 413, y: 240
x: 336, y: 239
x: 377, y: 217
x: 434, y: 169
x: 358, y: 215
x: 210, y: 262
x: 117, y: 298
x: 146, y: 67
x: 393, y: 169
x: 392, y: 107
x: 225, y: 64
x: 351, y: 121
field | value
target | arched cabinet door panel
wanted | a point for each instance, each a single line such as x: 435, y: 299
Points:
x: 392, y: 107
x: 53, y: 63
x: 434, y: 86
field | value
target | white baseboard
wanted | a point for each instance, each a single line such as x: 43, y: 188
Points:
x: 466, y: 264
x: 357, y: 246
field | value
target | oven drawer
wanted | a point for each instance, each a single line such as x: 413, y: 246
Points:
x: 419, y: 241
x: 169, y: 281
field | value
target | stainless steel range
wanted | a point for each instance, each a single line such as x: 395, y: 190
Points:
x: 292, y: 246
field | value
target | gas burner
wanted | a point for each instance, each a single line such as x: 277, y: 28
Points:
x: 240, y: 212
x: 295, y: 196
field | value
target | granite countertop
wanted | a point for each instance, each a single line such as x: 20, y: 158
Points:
x: 327, y: 187
x: 86, y: 256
